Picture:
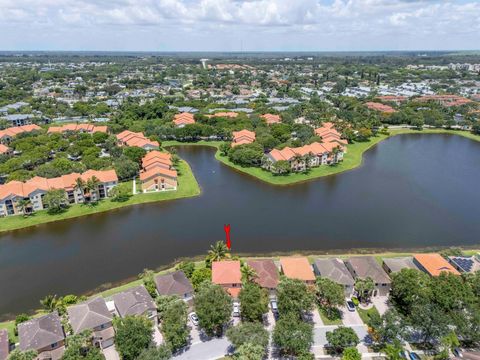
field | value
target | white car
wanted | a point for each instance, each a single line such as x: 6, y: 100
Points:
x: 236, y: 309
x: 193, y: 318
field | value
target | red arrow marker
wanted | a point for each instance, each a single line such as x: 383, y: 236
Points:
x: 227, y: 235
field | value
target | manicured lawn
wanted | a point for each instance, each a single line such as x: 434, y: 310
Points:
x: 366, y: 314
x: 337, y: 320
x: 9, y: 325
x: 352, y: 159
x: 187, y: 187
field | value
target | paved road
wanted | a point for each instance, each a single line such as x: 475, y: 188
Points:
x: 208, y: 350
x: 350, y: 318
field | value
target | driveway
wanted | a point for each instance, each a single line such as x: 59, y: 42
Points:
x: 269, y: 321
x: 212, y: 349
x: 350, y: 318
x: 157, y: 336
x: 320, y: 334
x: 111, y: 353
x: 381, y: 303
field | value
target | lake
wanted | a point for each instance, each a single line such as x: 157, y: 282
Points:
x: 413, y: 191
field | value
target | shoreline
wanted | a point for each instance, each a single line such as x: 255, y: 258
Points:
x: 188, y: 187
x: 109, y: 289
x: 353, y: 158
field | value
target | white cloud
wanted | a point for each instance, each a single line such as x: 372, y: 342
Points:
x: 267, y: 20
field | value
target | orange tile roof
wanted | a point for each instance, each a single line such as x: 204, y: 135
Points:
x: 434, y: 264
x: 226, y: 272
x: 4, y: 149
x: 155, y: 171
x: 234, y: 292
x: 67, y: 182
x: 229, y: 114
x: 315, y: 148
x: 297, y: 268
x: 243, y: 137
x: 184, y: 119
x: 77, y: 127
x: 380, y: 107
x: 15, y: 130
x: 271, y: 118
x: 131, y: 138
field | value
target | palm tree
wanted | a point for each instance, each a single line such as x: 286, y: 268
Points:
x: 80, y: 185
x: 49, y: 302
x: 335, y: 151
x: 92, y: 185
x: 22, y: 205
x: 217, y: 252
x: 248, y: 273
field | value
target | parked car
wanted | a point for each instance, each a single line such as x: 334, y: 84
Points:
x: 350, y: 305
x: 414, y: 356
x: 193, y: 318
x: 274, y: 306
x: 236, y: 309
x: 458, y: 352
x: 404, y: 354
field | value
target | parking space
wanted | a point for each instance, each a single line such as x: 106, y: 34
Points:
x: 381, y: 303
x: 350, y: 318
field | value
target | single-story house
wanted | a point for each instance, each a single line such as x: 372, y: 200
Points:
x: 393, y: 265
x: 4, y: 344
x: 135, y: 301
x: 44, y: 335
x: 362, y: 267
x: 267, y: 275
x: 433, y: 264
x: 468, y: 264
x: 298, y: 268
x: 175, y: 283
x: 93, y: 315
x: 227, y: 274
x: 242, y: 137
x: 335, y: 270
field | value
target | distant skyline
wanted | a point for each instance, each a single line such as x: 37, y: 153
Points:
x: 236, y: 25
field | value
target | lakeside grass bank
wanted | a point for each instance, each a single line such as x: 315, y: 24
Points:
x: 187, y: 187
x: 108, y: 290
x: 352, y: 159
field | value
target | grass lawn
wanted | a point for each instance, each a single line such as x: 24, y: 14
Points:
x: 352, y: 159
x: 337, y: 320
x: 366, y: 314
x: 187, y: 187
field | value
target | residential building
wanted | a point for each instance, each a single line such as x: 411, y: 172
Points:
x: 93, y: 315
x: 135, y: 301
x: 130, y: 138
x: 298, y: 268
x: 329, y: 134
x: 44, y: 335
x: 227, y: 274
x: 433, y: 264
x: 467, y: 264
x: 84, y: 128
x: 362, y: 267
x: 300, y: 158
x: 182, y: 119
x: 267, y: 275
x: 335, y: 270
x: 271, y: 118
x: 380, y: 107
x: 19, y: 119
x: 242, y: 137
x: 5, y: 150
x: 4, y: 344
x: 7, y: 135
x: 393, y: 265
x: 36, y: 188
x: 229, y: 114
x: 445, y: 100
x: 158, y: 173
x: 175, y: 283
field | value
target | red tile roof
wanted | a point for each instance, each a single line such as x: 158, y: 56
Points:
x: 226, y: 272
x: 380, y: 107
x: 297, y: 268
x: 184, y: 119
x: 15, y: 130
x: 267, y: 273
x: 243, y: 137
x: 88, y: 128
x: 435, y: 264
x: 130, y: 138
x: 271, y: 118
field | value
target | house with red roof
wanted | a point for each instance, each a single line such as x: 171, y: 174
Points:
x: 229, y: 114
x: 84, y: 128
x: 227, y: 274
x: 242, y: 137
x: 271, y: 118
x: 4, y: 150
x: 157, y: 172
x: 7, y: 135
x: 130, y: 138
x: 36, y: 188
x: 182, y: 119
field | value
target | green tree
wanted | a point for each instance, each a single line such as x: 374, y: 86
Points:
x: 164, y: 302
x: 409, y: 287
x: 364, y: 289
x: 126, y: 168
x: 22, y: 355
x: 351, y: 353
x: 199, y: 276
x: 188, y: 267
x: 430, y: 321
x: 392, y: 351
x: 80, y: 347
x: 214, y: 308
x: 248, y: 333
x: 224, y: 148
x: 253, y: 302
x: 248, y: 273
x: 55, y: 201
x: 294, y: 297
x: 174, y: 325
x: 49, y: 303
x: 147, y: 276
x: 250, y: 352
x: 386, y: 328
x: 281, y: 167
x: 20, y: 319
x: 329, y: 294
x: 217, y: 252
x: 134, y: 153
x: 133, y: 334
x: 24, y: 206
x: 342, y: 338
x: 162, y: 352
x: 292, y: 336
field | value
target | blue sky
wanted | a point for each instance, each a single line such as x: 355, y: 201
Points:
x: 234, y: 25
